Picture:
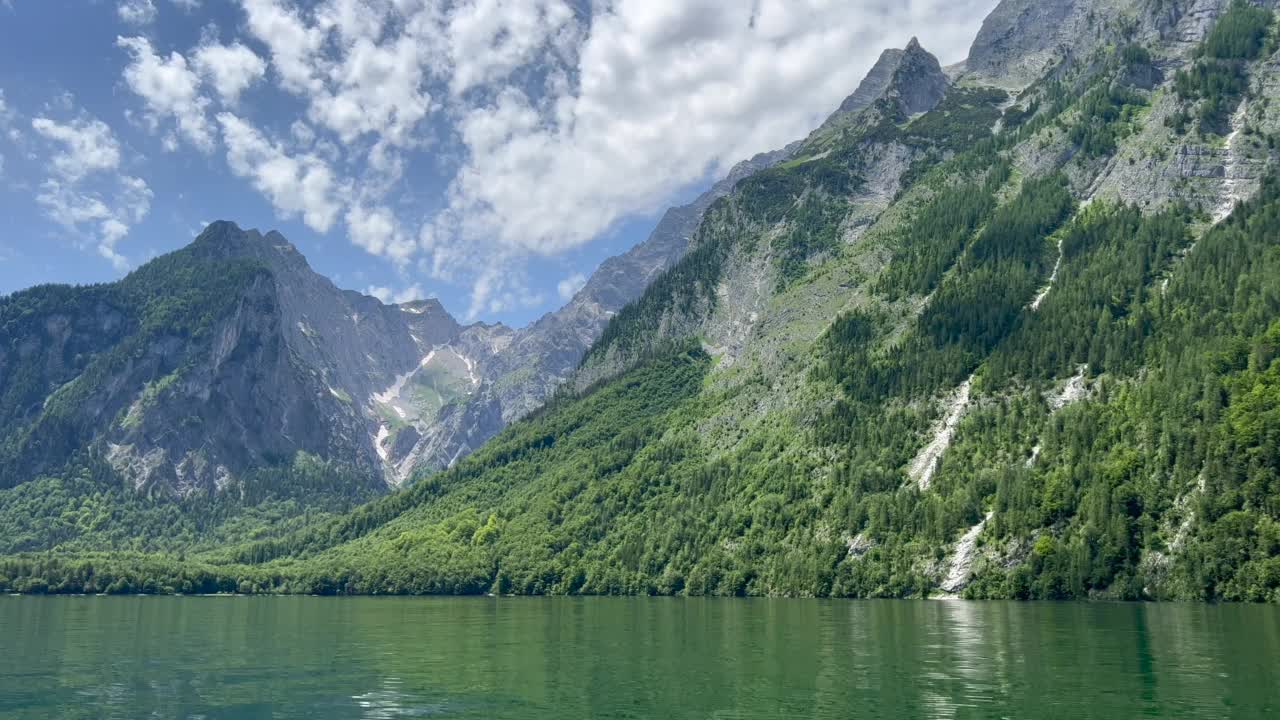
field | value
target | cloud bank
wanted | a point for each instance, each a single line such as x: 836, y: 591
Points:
x: 84, y: 192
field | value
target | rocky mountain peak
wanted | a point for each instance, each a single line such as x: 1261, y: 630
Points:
x: 429, y: 306
x: 918, y: 81
x: 874, y: 85
x: 912, y: 75
x: 226, y: 239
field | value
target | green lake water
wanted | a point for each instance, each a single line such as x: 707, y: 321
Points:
x: 296, y: 657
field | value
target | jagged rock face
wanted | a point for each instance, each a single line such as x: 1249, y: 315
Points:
x: 397, y: 368
x: 918, y: 83
x: 874, y: 85
x: 244, y: 403
x: 360, y: 344
x: 1021, y: 39
x: 902, y: 84
x: 1183, y: 22
x: 1157, y: 167
x: 912, y: 75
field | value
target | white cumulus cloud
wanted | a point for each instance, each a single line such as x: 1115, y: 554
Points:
x: 294, y: 44
x: 86, y: 145
x: 362, y: 65
x: 171, y: 89
x: 570, y: 286
x: 297, y: 185
x: 231, y: 69
x: 490, y: 39
x: 136, y: 12
x: 395, y: 297
x: 378, y: 232
x: 85, y: 194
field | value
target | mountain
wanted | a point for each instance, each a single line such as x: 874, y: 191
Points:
x: 208, y: 364
x: 1008, y: 332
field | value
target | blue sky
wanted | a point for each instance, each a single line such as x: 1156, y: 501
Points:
x: 487, y: 152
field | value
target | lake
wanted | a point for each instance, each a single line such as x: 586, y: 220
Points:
x: 229, y: 658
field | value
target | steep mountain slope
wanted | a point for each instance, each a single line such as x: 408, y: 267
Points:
x: 782, y: 222
x: 1021, y: 341
x: 544, y: 355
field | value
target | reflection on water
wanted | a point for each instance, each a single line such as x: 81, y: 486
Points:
x: 957, y: 671
x: 389, y: 702
x: 241, y: 658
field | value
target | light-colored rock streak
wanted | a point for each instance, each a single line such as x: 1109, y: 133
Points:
x: 391, y: 394
x: 926, y: 463
x: 1096, y: 187
x: 471, y: 371
x: 1185, y: 505
x: 1160, y: 561
x: 1234, y: 187
x: 1074, y: 391
x: 379, y: 442
x: 1053, y: 277
x: 961, y: 565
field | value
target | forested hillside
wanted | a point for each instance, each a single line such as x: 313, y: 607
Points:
x: 1022, y: 342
